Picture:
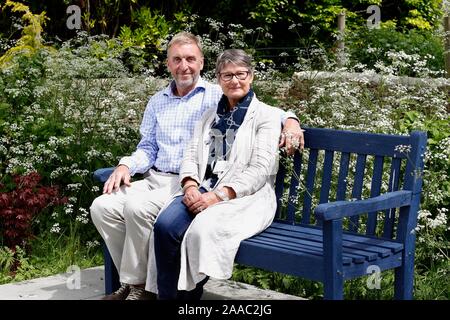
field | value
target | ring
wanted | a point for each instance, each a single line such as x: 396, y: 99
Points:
x: 200, y: 209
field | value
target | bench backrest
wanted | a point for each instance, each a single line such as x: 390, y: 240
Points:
x: 344, y: 165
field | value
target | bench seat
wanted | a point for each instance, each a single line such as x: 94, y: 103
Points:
x: 298, y: 250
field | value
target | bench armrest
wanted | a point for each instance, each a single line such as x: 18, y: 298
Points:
x: 101, y: 175
x: 340, y: 209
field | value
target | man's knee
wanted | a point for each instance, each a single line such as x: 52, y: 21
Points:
x: 138, y: 211
x: 97, y: 209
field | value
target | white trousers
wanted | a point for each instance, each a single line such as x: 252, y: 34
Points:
x: 125, y: 221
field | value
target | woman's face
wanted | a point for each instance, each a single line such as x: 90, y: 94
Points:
x: 235, y: 82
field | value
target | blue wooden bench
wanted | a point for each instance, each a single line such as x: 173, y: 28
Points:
x: 364, y: 190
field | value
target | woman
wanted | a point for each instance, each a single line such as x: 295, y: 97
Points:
x: 227, y: 178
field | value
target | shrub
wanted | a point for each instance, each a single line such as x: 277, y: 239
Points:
x: 369, y: 47
x: 20, y: 206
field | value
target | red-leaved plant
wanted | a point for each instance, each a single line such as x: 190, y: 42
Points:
x: 19, y: 206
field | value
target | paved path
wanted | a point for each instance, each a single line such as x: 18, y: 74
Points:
x: 91, y: 287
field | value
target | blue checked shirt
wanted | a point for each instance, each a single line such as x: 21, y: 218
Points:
x: 168, y: 125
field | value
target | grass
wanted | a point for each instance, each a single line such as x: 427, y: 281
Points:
x: 51, y: 254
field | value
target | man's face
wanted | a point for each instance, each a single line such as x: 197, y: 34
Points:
x: 185, y: 62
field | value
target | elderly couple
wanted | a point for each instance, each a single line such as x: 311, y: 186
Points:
x: 209, y: 153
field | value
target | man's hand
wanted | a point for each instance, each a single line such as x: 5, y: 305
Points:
x: 121, y: 173
x: 292, y: 137
x: 203, y: 201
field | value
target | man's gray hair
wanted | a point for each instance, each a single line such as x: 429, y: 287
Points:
x: 185, y: 38
x: 235, y: 56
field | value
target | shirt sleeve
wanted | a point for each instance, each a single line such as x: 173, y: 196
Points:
x: 144, y: 157
x: 284, y: 115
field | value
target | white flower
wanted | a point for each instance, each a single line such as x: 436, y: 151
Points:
x: 55, y: 228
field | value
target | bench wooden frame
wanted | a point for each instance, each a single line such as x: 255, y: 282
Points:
x: 357, y: 230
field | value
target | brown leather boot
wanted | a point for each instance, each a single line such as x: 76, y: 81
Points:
x: 119, y: 294
x: 138, y: 293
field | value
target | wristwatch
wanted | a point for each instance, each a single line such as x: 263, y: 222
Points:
x: 222, y: 195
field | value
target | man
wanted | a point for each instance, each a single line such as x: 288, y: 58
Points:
x: 124, y: 216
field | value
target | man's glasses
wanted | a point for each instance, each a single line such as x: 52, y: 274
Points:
x: 227, y: 76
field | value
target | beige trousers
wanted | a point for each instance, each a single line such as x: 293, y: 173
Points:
x: 125, y: 221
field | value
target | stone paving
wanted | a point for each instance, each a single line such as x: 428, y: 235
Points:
x: 90, y: 286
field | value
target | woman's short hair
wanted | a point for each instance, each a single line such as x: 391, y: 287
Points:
x: 185, y: 38
x: 235, y: 56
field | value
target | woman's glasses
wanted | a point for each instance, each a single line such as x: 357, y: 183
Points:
x: 227, y: 76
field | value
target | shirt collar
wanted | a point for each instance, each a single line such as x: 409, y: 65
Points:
x: 200, y: 85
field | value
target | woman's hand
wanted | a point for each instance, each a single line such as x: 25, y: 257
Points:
x: 292, y: 137
x: 191, y: 195
x: 204, y: 201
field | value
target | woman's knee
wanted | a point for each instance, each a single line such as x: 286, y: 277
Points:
x: 172, y: 223
x: 162, y: 225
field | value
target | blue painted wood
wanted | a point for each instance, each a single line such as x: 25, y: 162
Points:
x: 357, y: 188
x: 311, y: 231
x: 279, y: 188
x: 342, y: 179
x: 101, y: 175
x: 310, y: 176
x: 389, y: 215
x: 340, y: 209
x: 354, y: 142
x: 326, y: 177
x: 327, y: 253
x: 351, y: 252
x: 111, y: 275
x: 375, y: 189
x: 293, y: 189
x: 367, y: 249
x: 404, y: 275
x: 334, y: 269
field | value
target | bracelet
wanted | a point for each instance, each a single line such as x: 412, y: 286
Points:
x: 222, y: 195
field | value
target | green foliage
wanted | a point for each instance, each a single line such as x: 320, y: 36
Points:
x: 51, y: 255
x: 77, y: 112
x: 370, y: 46
x: 31, y: 40
x: 151, y: 29
x: 268, y: 12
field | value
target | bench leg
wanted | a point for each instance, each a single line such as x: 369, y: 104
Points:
x: 404, y: 282
x: 332, y: 245
x: 111, y: 275
x: 334, y: 290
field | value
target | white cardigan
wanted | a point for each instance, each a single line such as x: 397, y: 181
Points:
x: 212, y: 240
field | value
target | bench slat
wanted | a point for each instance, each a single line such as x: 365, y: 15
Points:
x: 342, y: 179
x: 293, y: 191
x: 392, y: 245
x: 389, y: 218
x: 355, y: 142
x: 375, y: 189
x: 310, y: 177
x: 326, y: 177
x: 357, y: 188
x: 357, y: 256
x: 366, y: 249
x: 264, y: 256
